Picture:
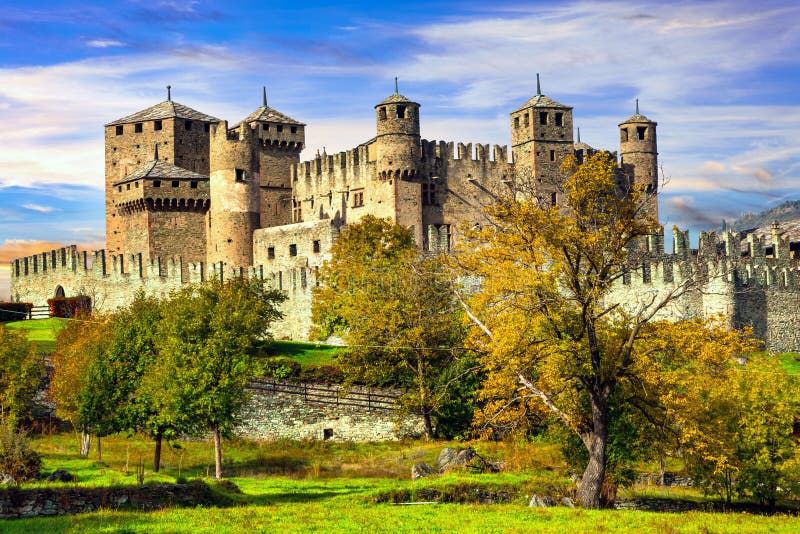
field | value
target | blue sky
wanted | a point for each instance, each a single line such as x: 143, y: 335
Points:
x: 720, y: 78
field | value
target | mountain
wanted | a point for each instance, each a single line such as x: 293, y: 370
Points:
x: 787, y: 215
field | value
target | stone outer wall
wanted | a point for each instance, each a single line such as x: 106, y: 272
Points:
x: 271, y: 415
x: 19, y: 503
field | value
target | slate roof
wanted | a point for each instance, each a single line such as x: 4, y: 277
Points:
x: 583, y: 146
x: 637, y: 118
x: 158, y: 169
x: 165, y: 110
x: 541, y: 101
x: 395, y: 98
x: 268, y: 114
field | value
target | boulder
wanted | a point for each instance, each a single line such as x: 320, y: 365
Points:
x: 464, y: 457
x: 422, y: 470
x: 541, y: 502
x: 5, y: 478
x: 445, y: 458
x: 566, y: 501
x: 59, y: 475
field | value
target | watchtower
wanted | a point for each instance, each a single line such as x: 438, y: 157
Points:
x: 396, y: 193
x: 541, y: 137
x: 182, y: 134
x: 639, y: 157
x: 234, y: 187
x: 282, y: 139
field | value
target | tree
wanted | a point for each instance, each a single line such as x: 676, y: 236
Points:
x: 395, y: 311
x: 21, y: 371
x: 205, y: 343
x: 78, y: 346
x: 544, y: 316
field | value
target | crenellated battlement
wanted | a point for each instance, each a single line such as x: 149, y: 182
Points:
x: 442, y: 151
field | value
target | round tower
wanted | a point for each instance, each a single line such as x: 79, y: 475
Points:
x: 639, y: 157
x: 234, y: 188
x: 397, y: 141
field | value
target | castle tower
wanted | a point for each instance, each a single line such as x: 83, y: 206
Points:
x: 395, y: 193
x: 541, y: 137
x: 182, y: 134
x: 235, y: 197
x: 282, y: 139
x: 639, y: 157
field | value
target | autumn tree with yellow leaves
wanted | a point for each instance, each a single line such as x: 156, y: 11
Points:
x: 553, y: 337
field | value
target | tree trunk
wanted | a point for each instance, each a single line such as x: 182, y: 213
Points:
x: 86, y: 443
x: 217, y: 451
x: 99, y: 450
x: 591, y: 488
x: 157, y: 455
x: 426, y: 419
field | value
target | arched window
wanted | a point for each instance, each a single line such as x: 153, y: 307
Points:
x: 59, y: 292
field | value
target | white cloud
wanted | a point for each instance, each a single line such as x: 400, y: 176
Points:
x: 104, y: 43
x: 37, y: 207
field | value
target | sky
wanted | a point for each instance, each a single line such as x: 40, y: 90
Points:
x: 720, y: 78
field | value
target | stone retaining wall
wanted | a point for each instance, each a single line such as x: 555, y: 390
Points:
x: 17, y: 503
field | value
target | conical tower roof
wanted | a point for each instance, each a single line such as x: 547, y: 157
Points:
x: 637, y: 117
x: 165, y: 110
x: 268, y: 114
x: 541, y: 101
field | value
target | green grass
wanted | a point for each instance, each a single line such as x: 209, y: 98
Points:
x: 41, y: 331
x: 304, y: 353
x: 790, y: 362
x: 312, y: 486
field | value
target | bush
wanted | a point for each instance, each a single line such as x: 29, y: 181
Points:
x: 324, y: 374
x: 14, y: 311
x: 281, y: 367
x: 69, y: 307
x: 18, y: 461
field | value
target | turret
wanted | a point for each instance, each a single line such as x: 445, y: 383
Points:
x: 541, y: 137
x: 234, y: 185
x: 397, y: 141
x: 639, y: 157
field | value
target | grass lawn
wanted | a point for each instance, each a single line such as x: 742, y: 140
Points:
x: 42, y: 331
x: 791, y: 362
x: 304, y: 353
x: 330, y: 487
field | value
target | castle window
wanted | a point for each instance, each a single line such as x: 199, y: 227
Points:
x: 303, y: 278
x: 193, y: 185
x: 156, y: 183
x: 297, y: 209
x: 316, y: 246
x: 401, y: 112
x: 279, y: 128
x: 358, y: 199
x: 640, y: 132
x: 552, y: 155
x: 382, y: 114
x: 127, y: 187
x: 559, y: 119
x: 241, y: 175
x: 553, y: 198
x: 293, y: 129
x: 516, y: 122
x: 206, y: 127
x: 137, y: 128
x: 270, y: 253
x: 120, y: 129
x: 266, y: 127
x: 157, y: 125
x: 542, y: 117
x: 176, y: 183
x: 623, y: 135
x: 526, y: 119
x: 119, y: 189
x: 292, y: 250
x: 187, y: 125
x: 428, y: 194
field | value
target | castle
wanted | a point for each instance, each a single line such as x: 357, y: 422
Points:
x: 189, y: 197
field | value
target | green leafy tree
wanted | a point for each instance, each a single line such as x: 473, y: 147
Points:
x: 395, y: 311
x: 206, y: 341
x: 21, y: 371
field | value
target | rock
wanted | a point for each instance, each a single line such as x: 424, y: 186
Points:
x: 445, y: 458
x: 60, y: 475
x: 464, y: 456
x: 5, y: 478
x: 541, y: 502
x: 422, y: 470
x: 566, y: 501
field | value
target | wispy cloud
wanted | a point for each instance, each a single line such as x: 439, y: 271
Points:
x: 37, y: 207
x: 104, y: 43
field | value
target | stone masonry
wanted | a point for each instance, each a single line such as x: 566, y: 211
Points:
x: 189, y: 197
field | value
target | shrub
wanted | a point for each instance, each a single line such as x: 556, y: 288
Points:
x: 325, y: 374
x: 69, y: 307
x: 281, y: 367
x: 18, y: 460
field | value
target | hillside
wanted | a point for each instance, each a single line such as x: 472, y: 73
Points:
x: 787, y: 215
